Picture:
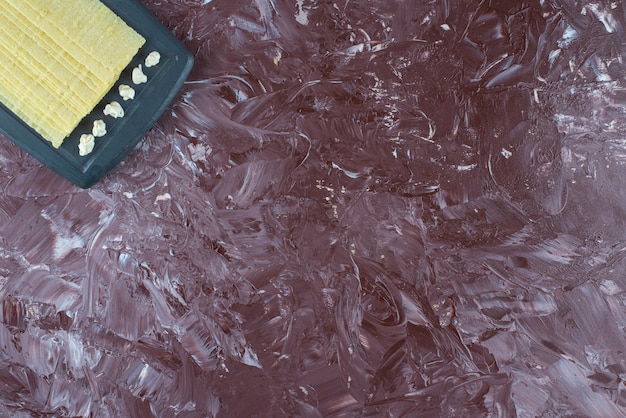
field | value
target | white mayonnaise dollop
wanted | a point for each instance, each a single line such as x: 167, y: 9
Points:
x: 99, y: 128
x: 138, y: 76
x: 153, y: 59
x: 114, y: 109
x: 87, y: 142
x: 127, y: 92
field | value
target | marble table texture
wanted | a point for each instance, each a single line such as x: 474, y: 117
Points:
x: 353, y: 208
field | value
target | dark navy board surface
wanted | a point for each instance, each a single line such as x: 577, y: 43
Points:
x: 123, y: 134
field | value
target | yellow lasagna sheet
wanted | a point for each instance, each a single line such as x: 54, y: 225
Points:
x: 58, y: 58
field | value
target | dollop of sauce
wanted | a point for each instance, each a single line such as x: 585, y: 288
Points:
x: 126, y: 92
x: 138, y: 75
x: 152, y: 59
x: 99, y: 128
x: 114, y: 109
x: 86, y: 144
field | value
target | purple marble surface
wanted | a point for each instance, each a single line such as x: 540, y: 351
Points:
x: 353, y: 208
